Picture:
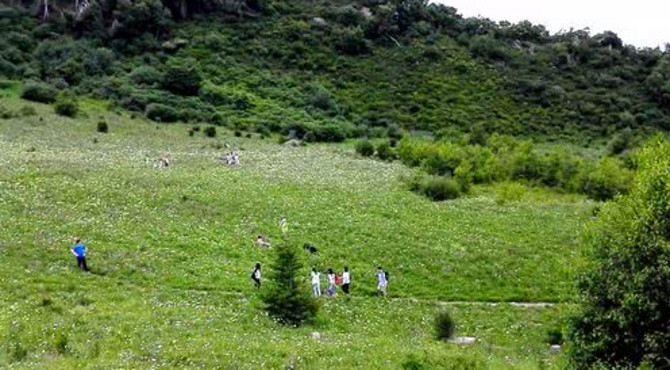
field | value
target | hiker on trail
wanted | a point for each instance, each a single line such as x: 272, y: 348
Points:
x: 256, y: 275
x: 330, y: 278
x: 283, y: 225
x: 316, y: 283
x: 79, y: 250
x: 381, y: 281
x: 346, y: 280
x: 262, y: 242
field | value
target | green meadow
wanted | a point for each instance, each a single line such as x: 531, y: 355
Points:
x: 171, y: 251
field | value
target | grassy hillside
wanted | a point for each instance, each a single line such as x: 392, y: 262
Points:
x: 171, y: 251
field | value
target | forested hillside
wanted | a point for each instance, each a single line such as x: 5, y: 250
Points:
x: 328, y: 70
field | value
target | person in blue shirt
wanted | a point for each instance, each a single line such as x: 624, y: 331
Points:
x: 79, y: 251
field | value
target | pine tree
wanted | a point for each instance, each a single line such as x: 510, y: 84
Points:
x: 288, y: 299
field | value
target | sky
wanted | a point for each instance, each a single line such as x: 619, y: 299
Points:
x: 642, y: 23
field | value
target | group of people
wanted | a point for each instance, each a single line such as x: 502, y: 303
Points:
x: 332, y: 281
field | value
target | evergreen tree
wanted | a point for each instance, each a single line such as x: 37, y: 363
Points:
x: 625, y: 317
x: 288, y: 299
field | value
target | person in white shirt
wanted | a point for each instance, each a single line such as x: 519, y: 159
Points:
x: 346, y: 280
x: 256, y: 275
x: 332, y: 290
x: 381, y: 281
x: 316, y: 283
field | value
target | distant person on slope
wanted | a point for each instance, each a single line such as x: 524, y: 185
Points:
x: 316, y: 283
x: 79, y: 250
x: 331, y: 283
x: 381, y: 281
x: 283, y: 225
x: 256, y: 275
x: 346, y: 280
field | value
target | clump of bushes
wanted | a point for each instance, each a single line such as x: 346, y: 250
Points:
x: 437, y: 188
x: 66, y: 106
x: 39, y: 92
x: 505, y: 158
x: 365, y: 148
x: 161, y: 113
x: 210, y: 131
x: 444, y: 326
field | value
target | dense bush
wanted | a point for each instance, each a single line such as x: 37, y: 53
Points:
x: 66, y: 106
x: 146, y: 75
x: 39, y: 92
x: 182, y: 78
x: 625, y: 289
x: 385, y: 152
x: 161, y: 113
x: 210, y: 131
x: 437, y: 188
x: 444, y: 326
x: 102, y: 127
x: 365, y: 148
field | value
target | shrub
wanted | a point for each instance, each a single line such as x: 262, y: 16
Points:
x: 66, y: 106
x: 161, y: 113
x: 509, y: 193
x: 352, y: 42
x: 182, y: 78
x: 39, y: 92
x: 625, y: 289
x: 554, y: 337
x: 103, y: 127
x: 365, y: 148
x: 444, y: 326
x: 146, y: 75
x: 210, y: 131
x: 437, y: 188
x: 288, y: 299
x: 604, y: 180
x: 385, y: 152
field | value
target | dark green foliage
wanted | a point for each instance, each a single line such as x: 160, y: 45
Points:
x: 365, y: 148
x: 554, y: 336
x: 625, y: 289
x: 66, y: 106
x: 161, y: 113
x: 146, y: 75
x: 444, y: 326
x: 437, y: 188
x: 210, y: 131
x: 182, y: 78
x: 102, y: 127
x: 385, y: 152
x: 39, y: 92
x: 288, y: 299
x: 352, y: 42
x: 620, y: 142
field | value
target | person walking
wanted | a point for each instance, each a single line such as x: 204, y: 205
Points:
x: 79, y: 250
x: 330, y: 278
x: 346, y: 280
x: 316, y: 283
x: 381, y: 281
x: 256, y: 275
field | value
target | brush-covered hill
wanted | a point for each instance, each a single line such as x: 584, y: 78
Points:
x: 327, y: 70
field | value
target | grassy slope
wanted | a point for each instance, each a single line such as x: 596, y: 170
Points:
x: 171, y: 251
